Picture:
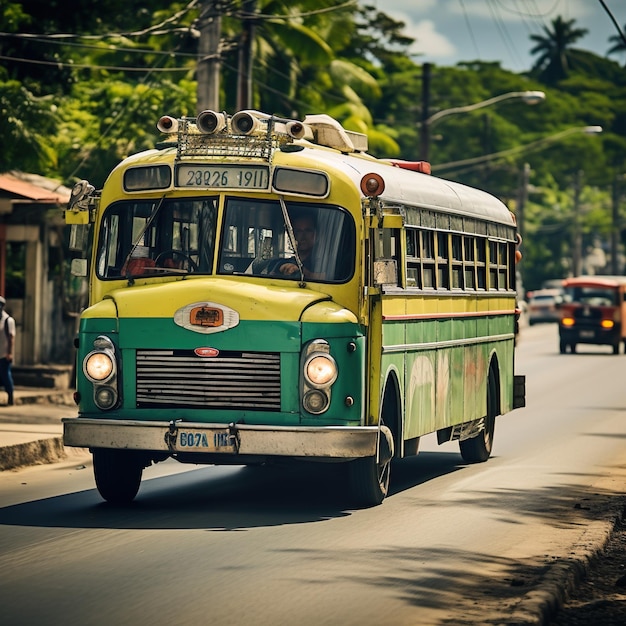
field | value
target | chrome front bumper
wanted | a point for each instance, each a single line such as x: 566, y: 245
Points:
x: 177, y: 437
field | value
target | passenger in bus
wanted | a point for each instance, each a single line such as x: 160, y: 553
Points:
x: 305, y: 232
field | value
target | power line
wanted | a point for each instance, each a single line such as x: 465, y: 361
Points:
x: 82, y: 66
x: 150, y: 30
x: 504, y: 34
x: 469, y: 28
x: 112, y: 125
x: 529, y: 13
x: 615, y: 23
x: 110, y: 48
x: 291, y: 16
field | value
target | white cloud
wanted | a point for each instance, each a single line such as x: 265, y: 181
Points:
x: 449, y: 31
x: 506, y: 10
x: 428, y: 41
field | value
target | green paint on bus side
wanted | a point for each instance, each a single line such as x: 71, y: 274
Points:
x: 442, y: 368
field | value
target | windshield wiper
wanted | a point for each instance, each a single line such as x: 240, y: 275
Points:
x: 292, y: 240
x: 149, y: 221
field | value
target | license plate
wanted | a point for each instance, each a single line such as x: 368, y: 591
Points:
x: 194, y: 440
x: 223, y: 176
x: 587, y: 334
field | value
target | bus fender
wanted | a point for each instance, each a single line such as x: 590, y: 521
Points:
x: 385, y: 444
x: 390, y: 412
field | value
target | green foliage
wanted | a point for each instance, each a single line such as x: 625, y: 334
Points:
x: 27, y: 125
x: 105, y: 122
x: 83, y: 102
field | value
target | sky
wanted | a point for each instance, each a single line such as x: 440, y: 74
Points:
x: 450, y: 31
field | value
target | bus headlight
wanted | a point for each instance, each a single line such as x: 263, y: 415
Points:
x: 98, y: 367
x: 315, y: 401
x: 320, y: 370
x: 105, y: 397
x: 318, y: 373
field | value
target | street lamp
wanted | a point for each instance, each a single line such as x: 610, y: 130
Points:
x: 539, y: 143
x: 535, y: 145
x: 529, y: 97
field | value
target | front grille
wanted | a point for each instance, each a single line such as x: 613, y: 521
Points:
x: 588, y: 313
x: 232, y: 380
x: 587, y: 316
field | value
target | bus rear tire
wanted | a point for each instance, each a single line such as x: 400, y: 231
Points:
x: 118, y: 474
x: 369, y: 477
x: 477, y: 449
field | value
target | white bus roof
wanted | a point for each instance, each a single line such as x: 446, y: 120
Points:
x: 415, y: 189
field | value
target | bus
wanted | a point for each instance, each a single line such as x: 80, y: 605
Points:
x: 593, y: 312
x: 263, y: 289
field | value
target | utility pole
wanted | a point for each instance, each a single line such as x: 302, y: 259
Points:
x: 424, y: 145
x: 615, y: 227
x: 246, y: 55
x: 522, y: 199
x: 577, y: 238
x: 208, y: 68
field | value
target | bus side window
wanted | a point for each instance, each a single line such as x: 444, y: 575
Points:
x: 413, y: 278
x: 503, y: 266
x: 456, y: 260
x: 443, y: 261
x: 469, y: 262
x: 427, y: 254
x: 481, y: 262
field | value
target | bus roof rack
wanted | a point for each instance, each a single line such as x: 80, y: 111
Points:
x: 254, y: 134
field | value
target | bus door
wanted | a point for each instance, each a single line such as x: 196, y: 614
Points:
x: 383, y: 272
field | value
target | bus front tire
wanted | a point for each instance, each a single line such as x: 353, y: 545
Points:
x: 369, y: 476
x: 118, y: 474
x: 477, y: 449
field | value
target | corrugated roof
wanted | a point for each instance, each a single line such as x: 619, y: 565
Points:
x: 35, y: 188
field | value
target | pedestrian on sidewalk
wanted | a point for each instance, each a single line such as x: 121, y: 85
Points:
x: 7, y: 342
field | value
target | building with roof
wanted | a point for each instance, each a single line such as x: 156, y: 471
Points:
x: 33, y: 275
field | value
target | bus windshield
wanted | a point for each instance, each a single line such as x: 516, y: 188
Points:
x: 149, y: 237
x: 256, y: 240
x: 178, y: 236
x: 592, y: 296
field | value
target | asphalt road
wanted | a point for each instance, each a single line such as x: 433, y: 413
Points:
x: 452, y: 544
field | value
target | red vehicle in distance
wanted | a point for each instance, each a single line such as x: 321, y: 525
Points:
x: 593, y: 312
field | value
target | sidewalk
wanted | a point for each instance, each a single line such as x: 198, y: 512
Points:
x: 31, y: 430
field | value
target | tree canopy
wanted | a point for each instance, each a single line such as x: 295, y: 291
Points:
x: 82, y: 86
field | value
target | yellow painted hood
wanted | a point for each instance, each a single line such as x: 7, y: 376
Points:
x: 252, y: 301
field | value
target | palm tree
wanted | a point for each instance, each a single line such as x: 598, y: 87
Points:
x: 554, y: 48
x: 295, y: 53
x: 619, y: 43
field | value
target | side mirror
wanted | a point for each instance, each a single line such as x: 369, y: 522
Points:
x: 78, y: 267
x: 385, y: 272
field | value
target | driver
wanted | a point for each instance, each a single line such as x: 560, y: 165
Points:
x: 305, y: 232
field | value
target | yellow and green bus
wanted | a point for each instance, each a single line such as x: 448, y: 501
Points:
x: 263, y: 289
